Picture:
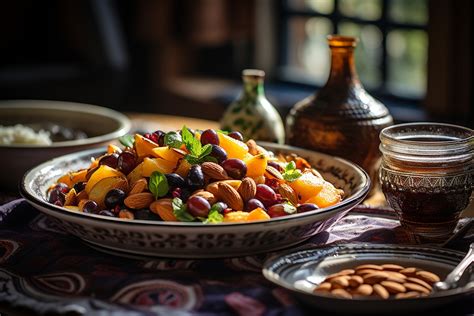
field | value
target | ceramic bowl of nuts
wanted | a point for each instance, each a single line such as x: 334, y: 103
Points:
x: 195, y: 194
x: 369, y: 278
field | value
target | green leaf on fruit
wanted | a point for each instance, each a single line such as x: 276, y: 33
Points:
x: 127, y: 140
x: 289, y: 208
x: 214, y: 216
x: 158, y: 185
x: 291, y: 173
x: 224, y: 131
x: 173, y: 139
x: 197, y: 153
x: 180, y: 211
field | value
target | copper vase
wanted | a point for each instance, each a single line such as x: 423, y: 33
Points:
x: 341, y: 119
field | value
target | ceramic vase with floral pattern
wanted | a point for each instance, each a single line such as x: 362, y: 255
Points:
x: 252, y: 114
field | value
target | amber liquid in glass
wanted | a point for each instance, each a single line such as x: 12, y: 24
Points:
x: 428, y: 210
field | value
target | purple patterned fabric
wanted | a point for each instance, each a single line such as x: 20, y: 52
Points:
x: 45, y: 270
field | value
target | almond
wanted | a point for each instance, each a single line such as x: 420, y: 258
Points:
x: 411, y: 294
x: 164, y: 208
x: 420, y: 282
x: 375, y: 277
x: 273, y: 173
x: 341, y: 281
x: 230, y: 196
x: 393, y: 287
x: 288, y: 193
x: 364, y: 289
x: 214, y: 171
x: 126, y: 214
x: 247, y: 189
x: 213, y: 187
x: 341, y: 293
x: 206, y: 195
x: 381, y: 291
x: 139, y: 186
x: 355, y: 281
x: 416, y: 287
x: 369, y: 266
x: 427, y: 276
x: 139, y: 200
x: 325, y: 286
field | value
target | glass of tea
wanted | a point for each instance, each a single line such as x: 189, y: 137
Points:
x: 427, y: 175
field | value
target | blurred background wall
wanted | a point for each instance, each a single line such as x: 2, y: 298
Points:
x: 185, y: 56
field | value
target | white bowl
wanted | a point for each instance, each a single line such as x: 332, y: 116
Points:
x: 102, y: 125
x: 196, y: 240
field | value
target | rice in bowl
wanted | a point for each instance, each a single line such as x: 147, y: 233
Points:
x: 21, y: 134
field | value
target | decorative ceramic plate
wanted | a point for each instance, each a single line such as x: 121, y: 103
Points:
x: 196, y: 240
x: 300, y: 272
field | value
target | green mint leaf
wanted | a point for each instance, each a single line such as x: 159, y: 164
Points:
x: 289, y: 208
x: 206, y: 150
x: 193, y: 160
x: 191, y: 142
x: 291, y: 176
x: 179, y: 210
x: 173, y: 139
x: 127, y: 140
x: 290, y: 166
x: 158, y: 185
x: 291, y: 173
x: 225, y: 132
x: 214, y: 216
x: 209, y: 158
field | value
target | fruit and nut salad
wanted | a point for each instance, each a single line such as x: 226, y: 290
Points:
x: 206, y: 176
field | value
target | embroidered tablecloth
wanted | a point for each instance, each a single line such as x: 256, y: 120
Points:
x: 45, y: 270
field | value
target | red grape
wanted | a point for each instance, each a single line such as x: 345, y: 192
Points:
x: 253, y: 204
x: 198, y: 206
x: 126, y: 161
x: 195, y: 178
x: 266, y: 195
x: 110, y: 160
x: 235, y: 168
x: 209, y: 136
x: 219, y: 153
x: 90, y: 207
x: 236, y: 135
x: 307, y: 207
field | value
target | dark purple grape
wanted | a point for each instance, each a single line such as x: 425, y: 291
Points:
x: 236, y: 135
x: 209, y: 136
x: 57, y: 197
x: 195, y: 178
x: 275, y: 165
x: 79, y: 186
x: 281, y: 209
x: 307, y: 207
x: 198, y: 206
x: 266, y: 195
x: 90, y: 207
x: 235, y: 168
x: 220, y: 207
x: 110, y: 160
x: 185, y: 194
x: 175, y: 180
x: 106, y: 213
x: 62, y: 187
x: 145, y: 214
x: 158, y: 137
x: 127, y: 161
x: 219, y: 153
x: 114, y: 197
x: 253, y: 204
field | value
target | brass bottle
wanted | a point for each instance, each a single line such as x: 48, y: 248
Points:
x: 341, y: 119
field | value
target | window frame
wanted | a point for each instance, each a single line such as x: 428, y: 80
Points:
x: 284, y: 13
